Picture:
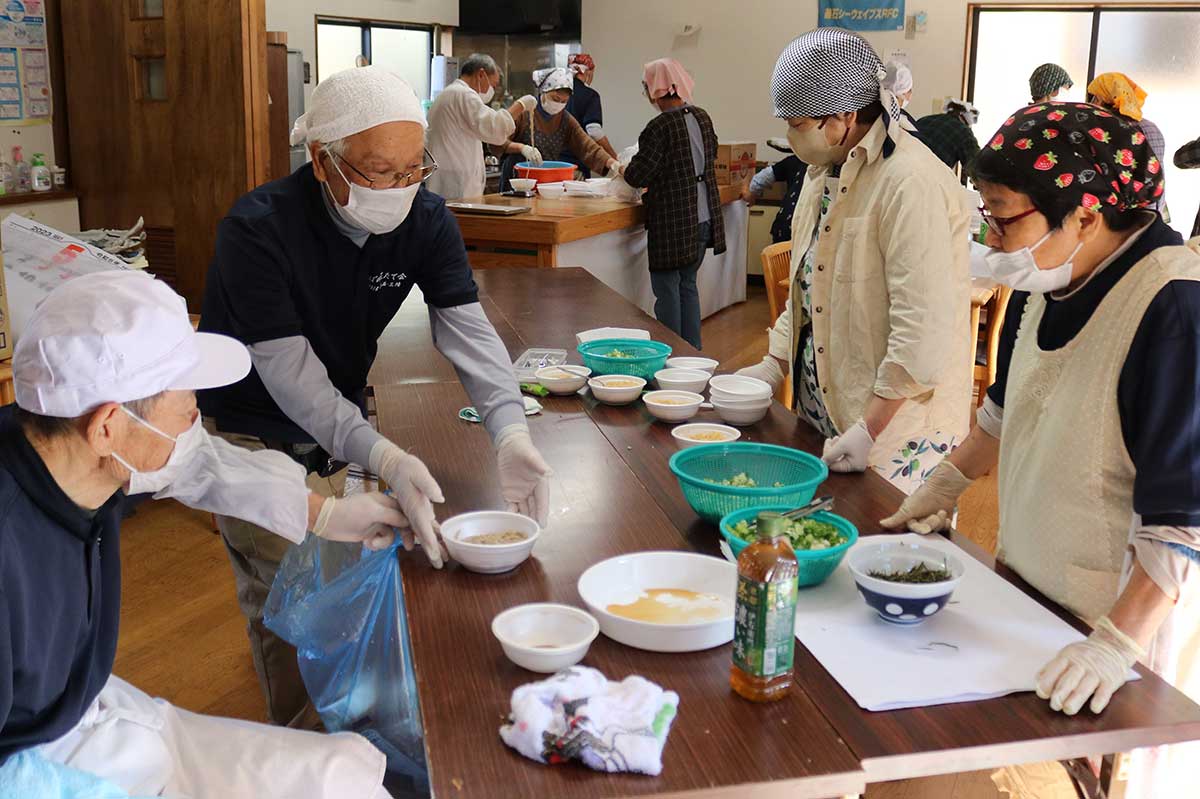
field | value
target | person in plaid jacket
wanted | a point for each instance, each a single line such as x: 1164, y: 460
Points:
x: 675, y: 162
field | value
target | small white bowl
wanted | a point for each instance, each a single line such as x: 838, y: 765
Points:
x: 741, y: 403
x: 545, y: 637
x: 693, y: 380
x: 523, y: 184
x: 672, y: 406
x: 616, y: 395
x: 742, y: 416
x: 623, y: 579
x: 683, y: 434
x: 489, y: 558
x: 690, y: 362
x: 576, y: 378
x: 743, y: 387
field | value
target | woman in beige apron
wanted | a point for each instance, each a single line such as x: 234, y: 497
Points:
x: 1092, y: 418
x: 874, y: 333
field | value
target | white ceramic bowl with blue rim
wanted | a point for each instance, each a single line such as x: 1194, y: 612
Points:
x: 902, y: 603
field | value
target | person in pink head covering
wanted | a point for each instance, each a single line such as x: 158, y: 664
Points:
x: 675, y: 158
x: 667, y: 76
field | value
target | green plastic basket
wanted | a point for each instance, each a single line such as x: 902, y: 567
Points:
x: 648, y: 357
x: 798, y: 474
x: 815, y: 564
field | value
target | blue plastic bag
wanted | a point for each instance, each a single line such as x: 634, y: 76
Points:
x: 342, y: 607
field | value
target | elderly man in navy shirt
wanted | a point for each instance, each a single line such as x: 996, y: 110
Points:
x: 105, y: 375
x: 308, y: 272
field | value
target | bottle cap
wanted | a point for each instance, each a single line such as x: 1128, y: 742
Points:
x: 771, y: 525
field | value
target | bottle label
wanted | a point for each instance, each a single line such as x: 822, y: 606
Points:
x: 764, y: 637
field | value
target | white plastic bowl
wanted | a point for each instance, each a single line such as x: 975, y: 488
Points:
x: 693, y: 380
x: 683, y: 434
x: 682, y: 405
x: 523, y: 184
x: 545, y: 637
x: 741, y: 403
x: 743, y: 387
x: 489, y: 558
x: 621, y: 580
x: 563, y: 385
x: 691, y: 362
x: 902, y: 603
x: 739, y: 415
x: 614, y: 395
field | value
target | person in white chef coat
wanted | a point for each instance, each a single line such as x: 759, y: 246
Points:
x: 105, y: 376
x: 461, y: 121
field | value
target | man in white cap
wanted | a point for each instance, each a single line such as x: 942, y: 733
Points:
x: 308, y: 272
x: 105, y: 376
x: 461, y: 121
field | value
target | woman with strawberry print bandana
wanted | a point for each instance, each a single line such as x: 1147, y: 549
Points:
x: 1092, y: 419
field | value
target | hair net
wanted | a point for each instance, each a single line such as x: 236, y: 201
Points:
x: 899, y: 78
x: 581, y: 62
x: 1118, y: 91
x: 548, y: 80
x: 665, y: 76
x: 355, y: 100
x: 963, y: 108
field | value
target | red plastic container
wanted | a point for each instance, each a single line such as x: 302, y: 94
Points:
x: 548, y: 172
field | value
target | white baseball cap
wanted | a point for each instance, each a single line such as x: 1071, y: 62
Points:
x: 116, y: 336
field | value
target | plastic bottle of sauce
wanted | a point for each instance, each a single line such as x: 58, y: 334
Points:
x: 40, y: 173
x: 764, y: 637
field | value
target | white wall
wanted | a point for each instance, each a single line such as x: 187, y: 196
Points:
x: 297, y: 17
x: 734, y: 53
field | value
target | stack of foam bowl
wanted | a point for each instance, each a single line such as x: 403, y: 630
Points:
x: 739, y: 400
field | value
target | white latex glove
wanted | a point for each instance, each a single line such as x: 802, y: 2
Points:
x: 767, y: 370
x: 848, y: 452
x: 415, y: 490
x: 1095, y: 668
x: 613, y: 168
x: 371, y: 518
x: 528, y: 102
x: 532, y: 154
x: 931, y: 507
x: 524, y: 474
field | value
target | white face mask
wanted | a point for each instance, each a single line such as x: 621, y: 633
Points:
x: 376, y: 211
x: 810, y: 146
x: 488, y: 95
x: 552, y: 107
x: 1019, y: 270
x: 154, y: 481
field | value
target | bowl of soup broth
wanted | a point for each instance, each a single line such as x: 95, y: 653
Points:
x: 490, y: 541
x: 662, y: 601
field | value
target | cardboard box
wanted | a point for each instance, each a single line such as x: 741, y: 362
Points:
x: 735, y: 162
x: 6, y: 342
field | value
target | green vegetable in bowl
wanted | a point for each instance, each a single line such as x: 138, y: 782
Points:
x: 917, y: 574
x: 619, y: 354
x: 803, y: 533
x: 739, y: 480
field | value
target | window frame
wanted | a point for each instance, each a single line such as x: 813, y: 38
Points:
x: 365, y: 24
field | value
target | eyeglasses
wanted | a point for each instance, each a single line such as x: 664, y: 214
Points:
x: 998, y: 222
x: 395, y: 180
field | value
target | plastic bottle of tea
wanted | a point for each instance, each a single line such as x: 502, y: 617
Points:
x: 764, y: 637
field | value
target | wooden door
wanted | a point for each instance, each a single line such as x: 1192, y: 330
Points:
x: 277, y: 90
x: 167, y: 120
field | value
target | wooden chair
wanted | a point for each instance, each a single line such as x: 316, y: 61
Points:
x: 984, y: 374
x: 777, y: 267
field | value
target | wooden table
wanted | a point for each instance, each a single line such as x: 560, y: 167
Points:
x: 7, y: 393
x: 532, y: 239
x: 613, y: 493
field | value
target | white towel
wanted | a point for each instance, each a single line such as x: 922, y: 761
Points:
x: 578, y: 714
x: 585, y: 336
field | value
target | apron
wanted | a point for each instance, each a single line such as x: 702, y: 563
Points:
x: 149, y: 747
x: 1066, y: 487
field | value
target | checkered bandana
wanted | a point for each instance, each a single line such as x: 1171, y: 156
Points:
x: 826, y: 71
x: 1083, y: 150
x: 1047, y: 79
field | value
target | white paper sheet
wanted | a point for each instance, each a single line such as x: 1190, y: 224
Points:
x: 991, y: 640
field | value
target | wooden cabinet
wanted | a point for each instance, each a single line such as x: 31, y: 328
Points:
x: 167, y: 119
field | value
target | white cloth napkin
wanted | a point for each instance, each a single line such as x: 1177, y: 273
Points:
x: 991, y: 640
x: 578, y: 714
x: 611, y: 332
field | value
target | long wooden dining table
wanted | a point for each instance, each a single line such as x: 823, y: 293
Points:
x: 612, y: 493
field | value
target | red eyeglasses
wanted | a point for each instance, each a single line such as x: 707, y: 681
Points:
x: 998, y: 222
